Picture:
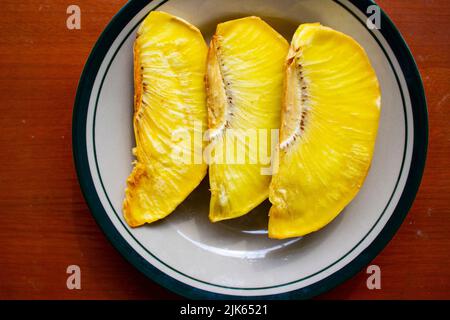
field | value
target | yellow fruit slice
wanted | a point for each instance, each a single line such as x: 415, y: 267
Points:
x: 329, y: 125
x: 169, y: 70
x: 244, y: 91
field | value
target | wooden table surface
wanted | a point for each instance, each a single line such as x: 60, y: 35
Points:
x: 45, y: 224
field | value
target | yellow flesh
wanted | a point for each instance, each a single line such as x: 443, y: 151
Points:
x: 329, y: 124
x: 170, y: 64
x: 244, y: 89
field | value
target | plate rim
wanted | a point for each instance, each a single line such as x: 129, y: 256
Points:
x: 419, y: 151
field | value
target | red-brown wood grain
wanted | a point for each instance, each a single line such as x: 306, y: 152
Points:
x: 45, y: 224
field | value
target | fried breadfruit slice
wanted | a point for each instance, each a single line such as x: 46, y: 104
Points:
x: 244, y: 91
x: 169, y: 70
x: 329, y: 125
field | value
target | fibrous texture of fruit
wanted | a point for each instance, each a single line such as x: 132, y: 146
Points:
x: 169, y: 70
x: 244, y: 91
x: 329, y: 124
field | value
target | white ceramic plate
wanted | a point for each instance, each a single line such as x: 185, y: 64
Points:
x: 235, y: 259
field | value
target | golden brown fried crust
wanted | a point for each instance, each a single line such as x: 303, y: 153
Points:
x: 137, y: 77
x: 215, y: 91
x: 137, y: 172
x: 132, y: 182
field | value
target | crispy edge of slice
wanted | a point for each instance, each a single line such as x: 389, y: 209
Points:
x: 275, y: 233
x: 216, y: 98
x: 217, y: 106
x: 138, y: 171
